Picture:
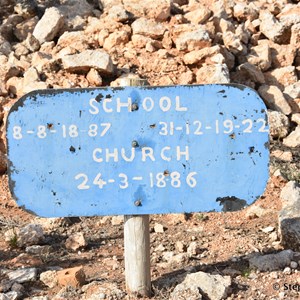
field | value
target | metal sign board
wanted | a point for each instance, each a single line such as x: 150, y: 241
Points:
x: 137, y: 150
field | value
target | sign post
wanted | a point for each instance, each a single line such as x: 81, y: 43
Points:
x: 136, y: 151
x: 137, y: 242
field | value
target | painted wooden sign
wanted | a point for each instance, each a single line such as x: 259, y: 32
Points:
x: 137, y: 150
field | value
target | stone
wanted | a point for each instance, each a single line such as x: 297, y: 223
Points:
x: 193, y: 40
x: 282, y: 77
x: 12, y: 295
x: 251, y: 72
x: 38, y: 250
x: 94, y: 78
x: 22, y: 30
x: 118, y: 13
x: 282, y: 55
x: 102, y: 290
x: 232, y: 42
x: 199, y: 15
x: 294, y: 265
x: 18, y: 288
x: 22, y: 275
x: 149, y: 28
x: 282, y: 155
x: 3, y: 91
x: 290, y: 194
x: 7, y: 8
x: 268, y: 229
x: 293, y: 139
x: 279, y: 124
x: 295, y: 35
x: 293, y: 90
x: 272, y: 28
x: 161, y: 11
x: 76, y: 241
x: 84, y: 61
x: 49, y: 278
x: 271, y: 262
x: 116, y: 38
x: 260, y: 56
x: 75, y: 13
x: 296, y: 118
x: 14, y: 86
x: 159, y: 228
x: 217, y: 73
x: 31, y: 234
x: 5, y: 285
x: 196, y: 285
x: 186, y: 78
x: 78, y: 40
x: 198, y: 56
x: 245, y: 11
x: 193, y: 249
x: 26, y: 8
x: 255, y: 211
x: 186, y: 292
x: 26, y: 260
x: 49, y: 25
x: 117, y: 220
x: 274, y: 98
x: 290, y: 16
x: 289, y: 220
x: 180, y: 246
x: 5, y: 47
x: 74, y: 277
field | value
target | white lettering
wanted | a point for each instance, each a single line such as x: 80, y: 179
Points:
x: 113, y: 155
x: 162, y: 154
x: 124, y: 104
x: 165, y: 103
x: 95, y: 109
x: 95, y: 152
x: 105, y: 101
x: 177, y: 106
x: 180, y: 153
x: 128, y: 159
x: 147, y: 152
x: 148, y: 104
x: 166, y: 153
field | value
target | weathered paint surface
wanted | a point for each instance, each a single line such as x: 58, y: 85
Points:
x: 137, y: 150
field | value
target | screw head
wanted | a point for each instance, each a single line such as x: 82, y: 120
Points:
x: 134, y: 107
x: 138, y: 203
x: 134, y: 144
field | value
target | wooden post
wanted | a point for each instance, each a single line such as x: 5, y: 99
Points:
x: 137, y: 242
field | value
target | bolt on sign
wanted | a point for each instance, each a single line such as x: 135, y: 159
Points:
x: 137, y: 150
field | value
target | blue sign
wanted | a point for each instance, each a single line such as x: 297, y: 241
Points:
x: 137, y: 150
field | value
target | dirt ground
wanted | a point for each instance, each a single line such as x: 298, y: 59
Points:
x: 226, y: 242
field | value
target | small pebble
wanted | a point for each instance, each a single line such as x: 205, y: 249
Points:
x: 294, y: 265
x: 287, y: 270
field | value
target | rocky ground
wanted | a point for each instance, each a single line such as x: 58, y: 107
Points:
x: 250, y: 254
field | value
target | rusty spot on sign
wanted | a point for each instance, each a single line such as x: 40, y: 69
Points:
x: 152, y: 125
x: 49, y: 125
x: 232, y: 136
x: 166, y: 173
